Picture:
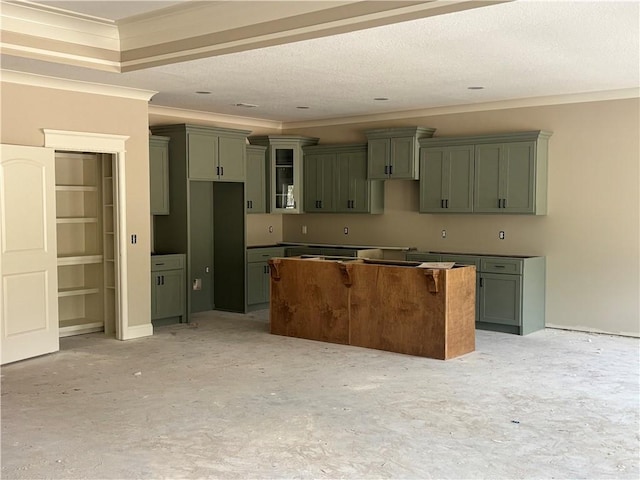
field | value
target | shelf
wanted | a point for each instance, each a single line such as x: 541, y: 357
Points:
x: 78, y: 326
x: 70, y: 292
x: 76, y: 188
x: 109, y: 287
x: 76, y: 220
x: 79, y: 260
x: 108, y: 233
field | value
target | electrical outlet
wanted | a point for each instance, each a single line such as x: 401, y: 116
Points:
x: 501, y: 235
x: 270, y: 228
x: 444, y: 234
x: 346, y: 230
x: 304, y: 229
x: 134, y: 239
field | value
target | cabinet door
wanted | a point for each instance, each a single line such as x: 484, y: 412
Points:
x: 432, y: 173
x: 203, y: 156
x: 402, y: 163
x: 318, y: 183
x: 159, y: 178
x: 446, y: 179
x: 458, y: 180
x: 231, y: 159
x: 379, y: 152
x: 487, y: 189
x: 284, y: 176
x: 168, y: 300
x: 255, y: 186
x: 518, y: 177
x: 257, y: 276
x: 500, y: 299
x: 353, y: 189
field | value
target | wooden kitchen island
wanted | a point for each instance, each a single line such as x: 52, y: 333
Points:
x: 387, y: 305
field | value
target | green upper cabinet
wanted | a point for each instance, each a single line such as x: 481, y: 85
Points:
x: 212, y: 153
x: 446, y: 179
x: 393, y: 152
x: 505, y: 179
x: 336, y: 180
x: 285, y: 170
x: 255, y: 185
x: 503, y: 174
x: 318, y: 183
x: 203, y: 156
x: 159, y: 174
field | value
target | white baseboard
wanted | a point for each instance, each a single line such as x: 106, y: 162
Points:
x: 138, y: 331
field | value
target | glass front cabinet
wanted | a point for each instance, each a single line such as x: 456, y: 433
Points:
x: 285, y: 175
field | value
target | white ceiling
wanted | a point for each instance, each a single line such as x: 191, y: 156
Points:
x: 516, y: 50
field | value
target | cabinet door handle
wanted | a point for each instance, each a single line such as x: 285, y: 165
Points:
x: 446, y: 203
x: 504, y: 203
x: 218, y: 171
x: 481, y: 282
x: 248, y: 203
x: 386, y: 169
x: 320, y: 203
x: 221, y: 171
x: 158, y: 280
x: 390, y: 169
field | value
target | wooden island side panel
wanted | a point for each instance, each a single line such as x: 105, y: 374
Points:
x: 309, y: 300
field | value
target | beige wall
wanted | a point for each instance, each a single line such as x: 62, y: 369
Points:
x: 27, y: 110
x: 590, y: 235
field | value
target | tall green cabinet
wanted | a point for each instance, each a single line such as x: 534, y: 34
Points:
x: 207, y: 216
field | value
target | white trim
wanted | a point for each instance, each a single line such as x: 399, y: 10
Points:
x: 54, y: 56
x: 115, y: 145
x: 24, y: 78
x: 58, y: 24
x: 591, y: 330
x: 138, y: 331
x: 196, y: 115
x: 587, y: 97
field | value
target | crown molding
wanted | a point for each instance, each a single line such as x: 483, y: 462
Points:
x: 585, y: 97
x: 56, y: 24
x: 33, y: 80
x: 186, y: 116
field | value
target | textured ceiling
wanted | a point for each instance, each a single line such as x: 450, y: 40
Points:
x: 515, y: 50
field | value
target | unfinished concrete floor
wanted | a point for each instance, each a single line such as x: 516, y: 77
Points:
x: 222, y: 398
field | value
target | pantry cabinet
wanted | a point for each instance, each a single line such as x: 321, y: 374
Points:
x: 393, y: 152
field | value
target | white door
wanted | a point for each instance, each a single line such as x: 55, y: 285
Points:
x: 28, y: 254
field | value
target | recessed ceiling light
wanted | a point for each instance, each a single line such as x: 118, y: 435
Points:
x: 203, y: 92
x: 245, y: 105
x: 303, y: 107
x: 475, y: 88
x: 381, y: 99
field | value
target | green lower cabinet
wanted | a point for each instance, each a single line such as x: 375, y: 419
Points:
x: 259, y: 276
x: 258, y: 283
x: 499, y: 299
x: 168, y: 289
x: 510, y: 291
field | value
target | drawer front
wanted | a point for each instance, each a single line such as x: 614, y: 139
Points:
x: 166, y: 262
x: 462, y: 260
x: 512, y: 266
x: 295, y: 251
x: 263, y: 254
x: 339, y: 252
x: 422, y: 257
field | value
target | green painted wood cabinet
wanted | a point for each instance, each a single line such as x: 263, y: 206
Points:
x: 207, y: 219
x: 159, y: 174
x: 255, y: 185
x: 213, y: 154
x: 319, y: 172
x: 285, y: 173
x: 509, y: 173
x: 446, y: 179
x: 336, y: 180
x: 167, y: 287
x: 510, y: 291
x: 393, y: 152
x: 258, y: 275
